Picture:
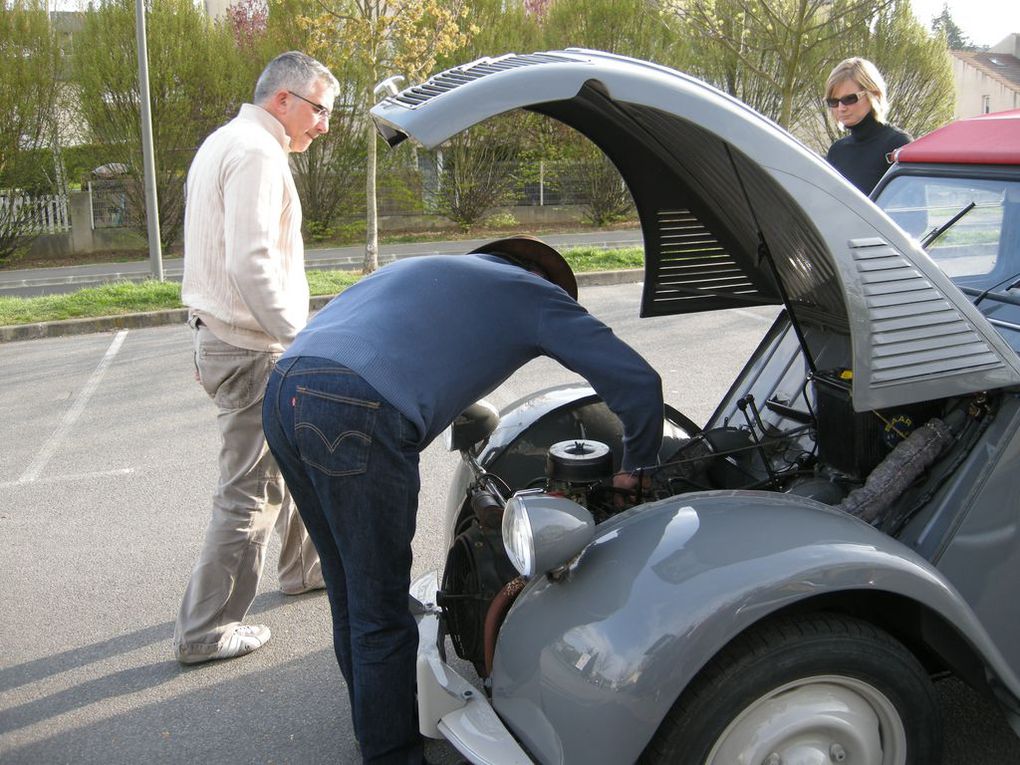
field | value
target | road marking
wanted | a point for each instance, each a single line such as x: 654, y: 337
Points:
x: 65, y: 478
x: 769, y: 319
x: 71, y: 415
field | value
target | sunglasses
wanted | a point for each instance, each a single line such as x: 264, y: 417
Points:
x: 850, y: 100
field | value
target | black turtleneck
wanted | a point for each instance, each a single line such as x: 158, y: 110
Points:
x: 861, y: 156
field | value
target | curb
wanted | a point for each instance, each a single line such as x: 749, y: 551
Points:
x: 44, y: 329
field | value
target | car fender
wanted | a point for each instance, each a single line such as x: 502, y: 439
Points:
x: 587, y: 665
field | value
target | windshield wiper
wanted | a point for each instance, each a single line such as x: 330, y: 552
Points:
x: 935, y: 233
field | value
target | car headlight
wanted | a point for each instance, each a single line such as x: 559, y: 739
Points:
x: 542, y: 532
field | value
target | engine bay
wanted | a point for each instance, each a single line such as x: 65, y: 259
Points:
x: 880, y: 466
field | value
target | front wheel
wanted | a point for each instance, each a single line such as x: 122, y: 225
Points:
x: 805, y: 690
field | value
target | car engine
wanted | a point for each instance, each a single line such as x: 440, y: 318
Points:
x: 881, y: 467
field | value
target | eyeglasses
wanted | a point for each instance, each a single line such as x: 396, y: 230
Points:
x: 850, y: 100
x: 321, y: 111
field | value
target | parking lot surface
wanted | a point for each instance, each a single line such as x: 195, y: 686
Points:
x: 106, y: 468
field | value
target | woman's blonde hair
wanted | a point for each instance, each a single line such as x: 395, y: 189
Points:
x: 865, y: 74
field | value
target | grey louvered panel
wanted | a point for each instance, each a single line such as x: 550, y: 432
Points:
x: 677, y: 277
x: 695, y: 277
x: 692, y: 301
x: 889, y: 276
x: 454, y: 78
x: 912, y: 321
x: 925, y: 350
x: 904, y: 298
x: 955, y: 365
x: 685, y: 239
x: 693, y: 264
x: 683, y: 267
x: 690, y: 247
x: 896, y: 267
x: 911, y: 333
x: 920, y: 311
x: 707, y: 285
x: 902, y: 285
x: 915, y: 332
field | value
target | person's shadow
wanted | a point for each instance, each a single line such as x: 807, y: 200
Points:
x: 239, y: 711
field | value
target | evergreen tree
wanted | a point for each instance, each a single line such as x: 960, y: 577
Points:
x: 944, y: 25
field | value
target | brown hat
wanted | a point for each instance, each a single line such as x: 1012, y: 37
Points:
x: 527, y: 250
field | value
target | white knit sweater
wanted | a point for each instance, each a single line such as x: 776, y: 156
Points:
x: 244, y: 263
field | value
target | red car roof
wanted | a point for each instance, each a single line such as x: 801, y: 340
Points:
x: 991, y: 139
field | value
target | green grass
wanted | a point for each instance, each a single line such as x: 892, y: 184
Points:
x: 129, y: 297
x: 330, y: 282
x: 107, y: 300
x: 595, y: 259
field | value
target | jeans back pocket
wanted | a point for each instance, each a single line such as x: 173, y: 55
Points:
x: 333, y: 432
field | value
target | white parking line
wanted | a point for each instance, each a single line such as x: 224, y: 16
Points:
x: 771, y: 317
x: 67, y: 478
x: 71, y: 415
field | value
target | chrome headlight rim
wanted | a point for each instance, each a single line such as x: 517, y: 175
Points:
x: 518, y: 536
x: 543, y: 532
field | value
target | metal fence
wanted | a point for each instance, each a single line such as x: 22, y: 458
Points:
x: 110, y: 204
x: 45, y: 213
x: 402, y: 191
x: 535, y: 184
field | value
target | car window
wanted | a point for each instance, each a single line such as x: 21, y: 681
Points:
x: 985, y: 242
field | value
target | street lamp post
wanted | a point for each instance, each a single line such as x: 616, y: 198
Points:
x: 148, y: 161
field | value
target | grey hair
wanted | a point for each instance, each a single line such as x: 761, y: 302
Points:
x: 292, y: 70
x: 867, y: 77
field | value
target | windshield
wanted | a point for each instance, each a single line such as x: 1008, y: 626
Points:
x: 980, y: 249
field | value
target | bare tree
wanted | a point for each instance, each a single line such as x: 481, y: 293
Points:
x: 385, y: 37
x: 768, y: 53
x: 197, y: 82
x: 28, y: 66
x: 477, y: 172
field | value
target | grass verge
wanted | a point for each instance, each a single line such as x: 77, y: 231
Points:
x: 131, y: 297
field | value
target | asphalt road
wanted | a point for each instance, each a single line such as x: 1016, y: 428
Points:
x: 29, y: 282
x: 105, y: 474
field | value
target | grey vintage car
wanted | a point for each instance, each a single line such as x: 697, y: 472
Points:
x: 843, y: 527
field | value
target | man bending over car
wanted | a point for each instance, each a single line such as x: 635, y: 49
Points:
x: 374, y: 377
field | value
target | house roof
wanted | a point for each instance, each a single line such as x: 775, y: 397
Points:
x: 1001, y: 67
x: 990, y: 139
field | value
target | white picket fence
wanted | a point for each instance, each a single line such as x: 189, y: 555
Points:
x: 46, y: 213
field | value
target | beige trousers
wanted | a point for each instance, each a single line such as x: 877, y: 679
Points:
x: 249, y: 500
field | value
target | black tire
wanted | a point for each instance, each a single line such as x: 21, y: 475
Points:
x: 771, y: 693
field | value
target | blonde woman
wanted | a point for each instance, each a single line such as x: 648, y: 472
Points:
x: 855, y: 94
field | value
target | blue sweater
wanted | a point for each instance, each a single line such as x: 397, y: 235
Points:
x: 434, y: 334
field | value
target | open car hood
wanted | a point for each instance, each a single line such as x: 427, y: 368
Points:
x: 736, y: 212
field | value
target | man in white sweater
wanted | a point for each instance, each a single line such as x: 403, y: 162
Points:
x: 245, y: 285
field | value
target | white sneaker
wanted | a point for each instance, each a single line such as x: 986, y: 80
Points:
x: 243, y: 640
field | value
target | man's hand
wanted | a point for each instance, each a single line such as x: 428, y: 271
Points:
x: 625, y: 481
x: 628, y: 484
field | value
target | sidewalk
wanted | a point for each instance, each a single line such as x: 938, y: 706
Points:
x: 27, y: 282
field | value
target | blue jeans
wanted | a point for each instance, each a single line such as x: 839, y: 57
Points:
x: 350, y: 461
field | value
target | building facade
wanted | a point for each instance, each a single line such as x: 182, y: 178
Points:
x: 987, y: 81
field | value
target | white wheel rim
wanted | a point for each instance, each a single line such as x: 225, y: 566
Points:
x: 815, y: 721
